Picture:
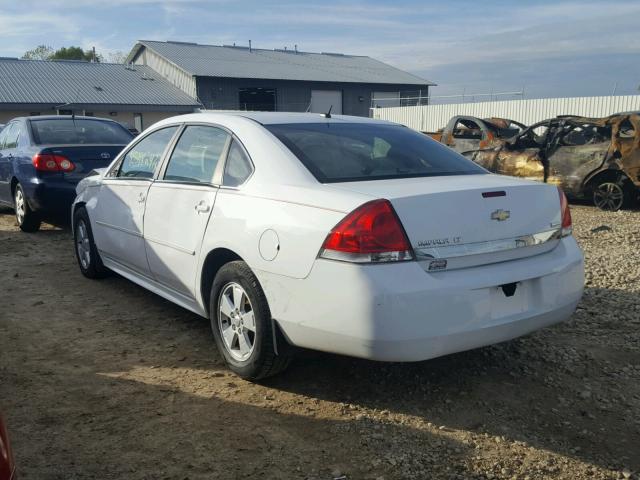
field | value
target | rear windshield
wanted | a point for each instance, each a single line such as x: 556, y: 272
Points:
x: 68, y: 131
x: 346, y: 152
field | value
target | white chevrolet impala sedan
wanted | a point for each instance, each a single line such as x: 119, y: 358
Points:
x: 341, y: 234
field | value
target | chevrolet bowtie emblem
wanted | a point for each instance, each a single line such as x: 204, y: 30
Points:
x: 500, y: 215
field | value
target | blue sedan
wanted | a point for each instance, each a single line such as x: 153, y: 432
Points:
x: 43, y: 158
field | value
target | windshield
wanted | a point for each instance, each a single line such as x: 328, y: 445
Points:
x: 345, y: 152
x: 68, y: 131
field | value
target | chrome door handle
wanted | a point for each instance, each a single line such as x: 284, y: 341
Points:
x: 202, y: 207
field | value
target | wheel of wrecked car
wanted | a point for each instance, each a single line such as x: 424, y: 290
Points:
x: 609, y: 196
x: 241, y: 323
x: 27, y: 219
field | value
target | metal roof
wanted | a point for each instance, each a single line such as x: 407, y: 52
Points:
x: 240, y: 62
x: 83, y: 83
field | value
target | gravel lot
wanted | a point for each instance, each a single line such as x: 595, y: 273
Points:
x: 106, y: 380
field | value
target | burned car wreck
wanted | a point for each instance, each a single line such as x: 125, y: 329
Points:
x: 590, y: 158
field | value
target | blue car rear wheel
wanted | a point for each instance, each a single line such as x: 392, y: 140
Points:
x: 27, y: 219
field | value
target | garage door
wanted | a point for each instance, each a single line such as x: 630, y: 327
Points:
x: 322, y: 100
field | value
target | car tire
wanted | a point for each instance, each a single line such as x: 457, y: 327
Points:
x: 87, y: 254
x: 247, y: 345
x: 27, y: 219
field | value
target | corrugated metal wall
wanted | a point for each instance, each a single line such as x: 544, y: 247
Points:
x: 291, y: 96
x: 430, y: 118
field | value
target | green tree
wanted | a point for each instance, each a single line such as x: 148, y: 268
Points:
x: 74, y: 53
x: 44, y: 52
x: 41, y: 52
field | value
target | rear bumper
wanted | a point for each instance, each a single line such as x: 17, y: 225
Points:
x: 400, y: 312
x: 50, y: 195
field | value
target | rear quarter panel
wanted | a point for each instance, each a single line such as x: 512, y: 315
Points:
x: 246, y: 223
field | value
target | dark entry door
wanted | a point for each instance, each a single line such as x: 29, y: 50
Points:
x: 261, y: 99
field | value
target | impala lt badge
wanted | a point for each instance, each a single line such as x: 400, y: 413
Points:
x: 500, y: 215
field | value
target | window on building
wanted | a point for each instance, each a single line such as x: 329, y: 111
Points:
x: 137, y: 122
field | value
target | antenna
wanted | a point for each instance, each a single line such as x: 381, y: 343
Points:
x: 328, y: 114
x: 295, y: 47
x: 249, y: 46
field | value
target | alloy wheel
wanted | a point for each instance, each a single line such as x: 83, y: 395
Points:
x: 83, y: 244
x: 20, y: 206
x: 236, y: 321
x: 608, y: 196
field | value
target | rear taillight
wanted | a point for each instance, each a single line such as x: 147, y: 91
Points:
x: 371, y: 233
x: 565, y: 214
x: 49, y: 162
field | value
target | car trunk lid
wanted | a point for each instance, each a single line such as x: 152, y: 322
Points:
x: 469, y: 220
x: 85, y: 158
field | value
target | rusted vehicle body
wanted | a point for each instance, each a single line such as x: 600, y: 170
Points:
x: 464, y: 133
x: 590, y: 158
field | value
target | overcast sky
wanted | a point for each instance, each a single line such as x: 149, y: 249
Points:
x: 549, y: 48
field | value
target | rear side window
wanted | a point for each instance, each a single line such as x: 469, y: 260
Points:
x: 3, y: 135
x: 69, y: 131
x: 196, y: 154
x: 11, y: 134
x: 238, y: 168
x: 345, y: 152
x: 143, y: 159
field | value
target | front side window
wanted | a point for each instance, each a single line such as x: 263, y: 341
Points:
x: 196, y: 154
x: 142, y: 160
x: 467, y: 129
x: 626, y: 130
x: 343, y: 152
x: 78, y: 131
x: 238, y: 168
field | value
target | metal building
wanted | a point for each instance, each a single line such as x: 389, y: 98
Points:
x: 135, y: 96
x: 231, y: 77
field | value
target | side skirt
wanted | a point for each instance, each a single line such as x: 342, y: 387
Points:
x: 153, y: 286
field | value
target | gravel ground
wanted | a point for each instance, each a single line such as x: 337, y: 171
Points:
x: 106, y: 380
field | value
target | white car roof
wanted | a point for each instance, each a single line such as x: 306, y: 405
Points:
x: 271, y: 118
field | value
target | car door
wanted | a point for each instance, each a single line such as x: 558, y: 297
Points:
x: 8, y: 141
x: 119, y: 210
x: 520, y: 157
x: 578, y: 151
x: 179, y: 204
x: 467, y: 136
